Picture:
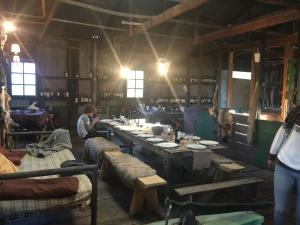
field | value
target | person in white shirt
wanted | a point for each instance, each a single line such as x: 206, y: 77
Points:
x: 285, y: 157
x: 86, y: 123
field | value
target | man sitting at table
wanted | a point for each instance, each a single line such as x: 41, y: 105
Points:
x: 86, y: 124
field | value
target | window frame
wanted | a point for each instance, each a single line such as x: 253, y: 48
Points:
x: 23, y: 84
x: 135, y: 83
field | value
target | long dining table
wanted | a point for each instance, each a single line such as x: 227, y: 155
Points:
x: 169, y: 157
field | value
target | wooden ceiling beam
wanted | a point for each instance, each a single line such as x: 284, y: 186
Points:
x: 269, y: 43
x: 281, y: 3
x: 49, y: 17
x: 167, y: 15
x: 257, y: 24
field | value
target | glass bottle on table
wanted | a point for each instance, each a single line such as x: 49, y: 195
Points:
x: 177, y: 133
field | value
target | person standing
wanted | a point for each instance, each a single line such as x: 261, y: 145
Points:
x: 285, y: 157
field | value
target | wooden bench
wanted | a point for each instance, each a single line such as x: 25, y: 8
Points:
x: 197, y: 189
x: 145, y: 189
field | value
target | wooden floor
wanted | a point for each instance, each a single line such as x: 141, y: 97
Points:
x: 114, y: 200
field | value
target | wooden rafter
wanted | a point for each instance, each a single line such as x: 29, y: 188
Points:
x: 257, y: 24
x: 49, y: 16
x: 268, y: 43
x: 43, y: 8
x: 289, y: 4
x: 163, y: 17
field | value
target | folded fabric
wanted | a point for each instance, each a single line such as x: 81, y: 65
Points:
x: 14, y: 156
x: 6, y: 166
x: 58, y: 140
x: 38, y: 188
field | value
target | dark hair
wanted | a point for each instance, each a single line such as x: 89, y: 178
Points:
x: 89, y: 108
x: 293, y: 117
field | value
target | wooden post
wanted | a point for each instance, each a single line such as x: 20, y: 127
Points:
x: 288, y: 53
x: 298, y: 81
x: 229, y: 81
x: 219, y: 77
x: 188, y: 84
x: 94, y: 70
x: 253, y: 78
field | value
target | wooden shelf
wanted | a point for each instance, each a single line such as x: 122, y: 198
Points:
x: 66, y: 78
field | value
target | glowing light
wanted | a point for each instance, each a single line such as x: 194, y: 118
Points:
x: 8, y: 26
x: 163, y: 68
x: 16, y: 58
x: 15, y: 48
x: 124, y: 72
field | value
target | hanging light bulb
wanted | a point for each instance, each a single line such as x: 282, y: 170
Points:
x: 124, y: 72
x: 163, y: 67
x: 8, y: 26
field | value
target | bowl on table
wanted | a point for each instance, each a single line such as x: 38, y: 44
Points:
x: 157, y: 130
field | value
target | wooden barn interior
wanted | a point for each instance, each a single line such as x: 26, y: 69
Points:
x: 148, y: 111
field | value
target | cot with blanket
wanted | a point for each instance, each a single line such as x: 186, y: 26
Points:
x: 49, y: 167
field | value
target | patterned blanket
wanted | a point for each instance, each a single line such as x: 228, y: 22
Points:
x: 31, y: 163
x: 94, y: 148
x: 129, y: 169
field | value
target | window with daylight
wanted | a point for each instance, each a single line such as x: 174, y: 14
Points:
x: 23, y: 79
x: 135, y: 84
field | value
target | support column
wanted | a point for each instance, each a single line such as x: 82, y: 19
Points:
x: 254, y: 68
x: 229, y: 81
x: 288, y: 53
x: 94, y: 70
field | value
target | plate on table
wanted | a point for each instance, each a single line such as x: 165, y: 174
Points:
x: 145, y: 135
x: 137, y: 132
x: 155, y: 139
x: 196, y: 146
x: 106, y: 120
x: 195, y: 138
x: 208, y: 142
x: 167, y: 145
x: 126, y: 128
x: 114, y: 123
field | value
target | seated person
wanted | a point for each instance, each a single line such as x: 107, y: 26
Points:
x: 86, y: 123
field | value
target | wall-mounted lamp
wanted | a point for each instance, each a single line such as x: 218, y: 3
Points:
x: 163, y: 67
x: 16, y: 58
x: 257, y: 56
x: 15, y: 48
x: 124, y: 72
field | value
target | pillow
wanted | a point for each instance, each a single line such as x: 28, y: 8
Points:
x: 60, y: 187
x: 6, y: 166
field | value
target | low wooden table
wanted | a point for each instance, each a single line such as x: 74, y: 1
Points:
x: 236, y: 218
